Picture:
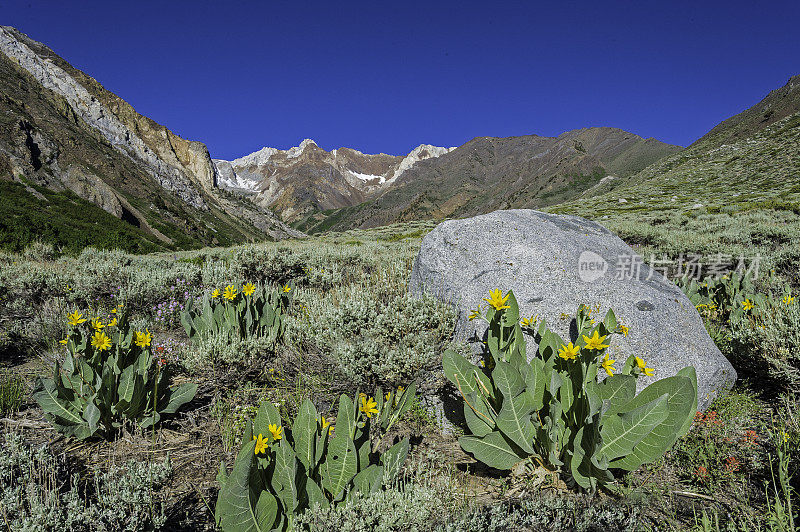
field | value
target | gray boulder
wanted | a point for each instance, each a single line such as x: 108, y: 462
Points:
x: 554, y: 263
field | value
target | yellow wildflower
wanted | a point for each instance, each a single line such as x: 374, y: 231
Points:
x: 369, y: 406
x: 230, y: 293
x: 788, y: 300
x: 113, y: 322
x: 623, y: 329
x: 474, y: 314
x: 595, y: 342
x: 64, y: 341
x: 97, y: 324
x: 215, y: 293
x: 261, y: 444
x: 608, y: 365
x: 143, y: 339
x: 276, y: 431
x: 101, y: 341
x: 287, y: 289
x: 528, y: 322
x: 113, y: 311
x: 747, y: 304
x: 248, y: 289
x: 568, y: 352
x: 643, y: 367
x: 497, y: 300
x: 76, y: 318
x: 326, y: 424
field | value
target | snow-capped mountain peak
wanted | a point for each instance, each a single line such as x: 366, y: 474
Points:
x: 338, y: 178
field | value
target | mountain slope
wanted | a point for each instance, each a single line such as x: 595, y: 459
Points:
x: 737, y: 188
x: 489, y: 173
x: 61, y: 129
x: 776, y: 106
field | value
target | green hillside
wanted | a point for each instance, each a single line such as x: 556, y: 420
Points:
x: 739, y: 198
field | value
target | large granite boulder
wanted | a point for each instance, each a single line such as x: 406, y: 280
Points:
x: 553, y: 263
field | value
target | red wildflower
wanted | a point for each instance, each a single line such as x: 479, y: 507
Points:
x: 749, y: 438
x: 732, y: 464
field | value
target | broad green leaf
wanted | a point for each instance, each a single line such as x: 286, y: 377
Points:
x: 234, y: 507
x: 514, y: 420
x: 267, y: 415
x: 690, y: 373
x: 304, y: 432
x: 91, y: 413
x: 127, y: 384
x: 346, y: 417
x: 511, y: 315
x: 610, y: 321
x: 616, y: 391
x: 394, y: 457
x: 50, y: 402
x: 315, y: 495
x: 284, y: 476
x: 493, y: 450
x: 480, y: 423
x: 179, y: 396
x: 622, y: 432
x: 576, y: 462
x: 535, y: 381
x: 266, y: 511
x: 459, y: 371
x: 369, y: 480
x: 341, y: 464
x: 507, y: 379
x: 681, y: 396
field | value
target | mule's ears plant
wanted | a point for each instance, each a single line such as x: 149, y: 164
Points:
x: 108, y: 375
x: 280, y: 472
x: 552, y: 411
x: 249, y: 310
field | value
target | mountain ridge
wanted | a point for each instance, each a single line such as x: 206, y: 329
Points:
x: 489, y: 173
x: 306, y: 178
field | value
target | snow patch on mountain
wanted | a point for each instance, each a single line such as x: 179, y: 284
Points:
x: 228, y: 178
x: 369, y: 177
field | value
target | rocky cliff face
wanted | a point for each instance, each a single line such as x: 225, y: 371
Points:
x: 61, y: 128
x: 307, y: 179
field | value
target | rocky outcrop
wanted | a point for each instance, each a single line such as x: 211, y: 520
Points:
x: 104, y: 120
x: 553, y: 264
x: 61, y: 129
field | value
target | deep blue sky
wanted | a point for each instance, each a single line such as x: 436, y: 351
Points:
x: 385, y: 77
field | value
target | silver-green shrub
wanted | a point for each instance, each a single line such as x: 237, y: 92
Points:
x: 38, y: 493
x: 395, y: 510
x: 374, y: 337
x: 546, y: 512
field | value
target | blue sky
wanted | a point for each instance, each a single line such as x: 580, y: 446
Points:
x: 385, y: 77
